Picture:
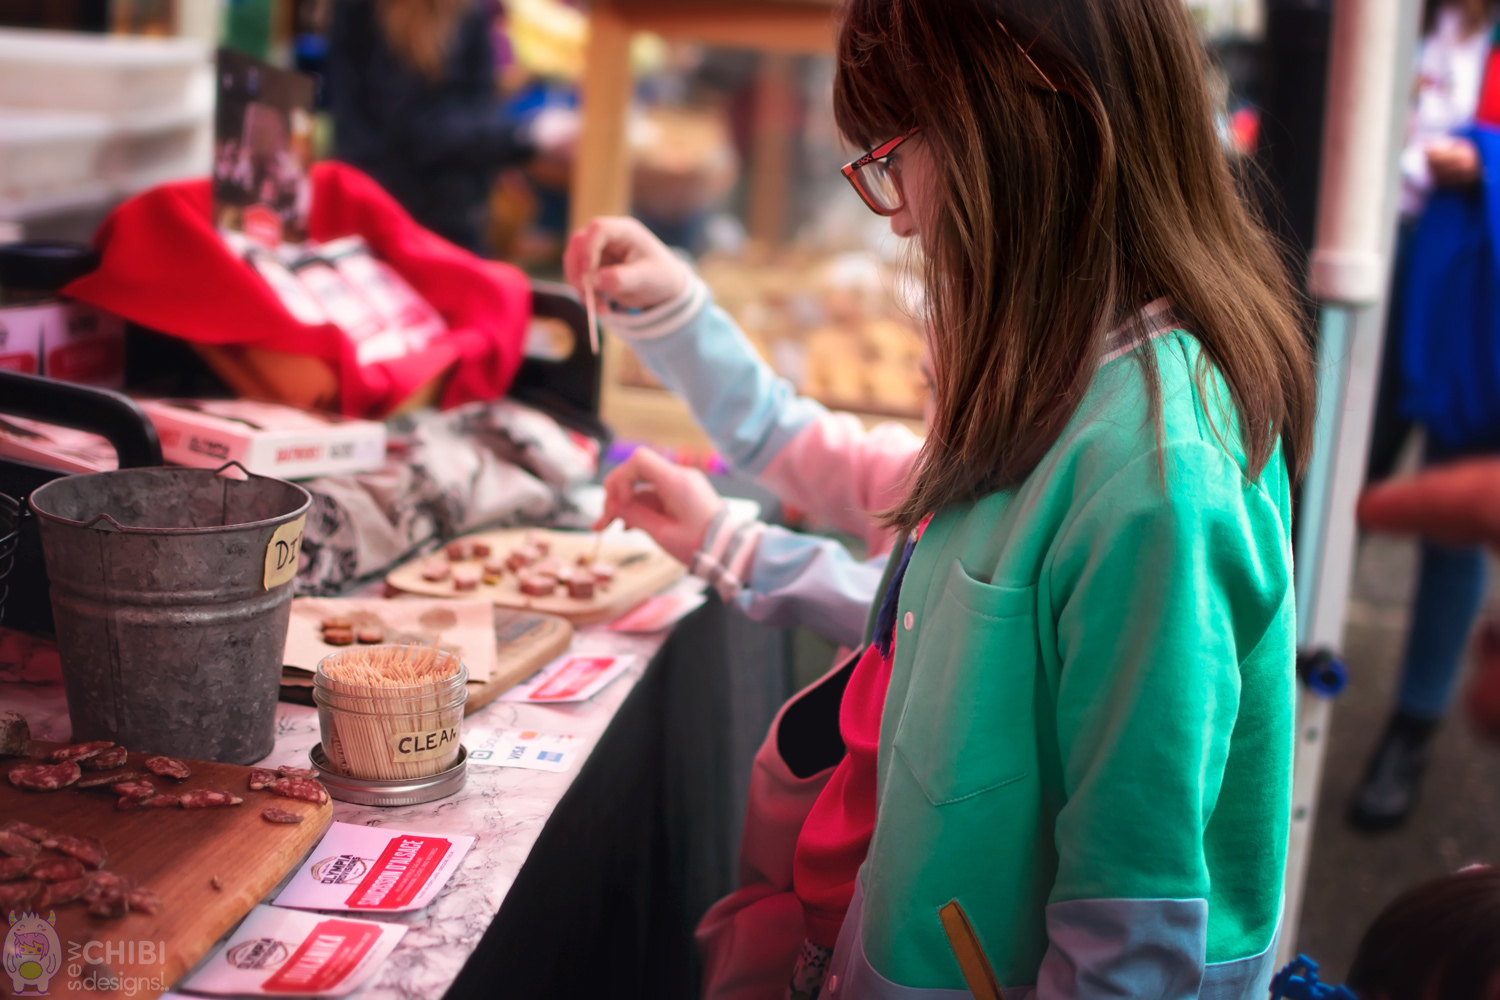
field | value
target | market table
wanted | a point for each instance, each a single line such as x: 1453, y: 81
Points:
x: 587, y: 881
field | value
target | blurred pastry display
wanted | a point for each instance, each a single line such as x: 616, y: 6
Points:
x: 833, y: 325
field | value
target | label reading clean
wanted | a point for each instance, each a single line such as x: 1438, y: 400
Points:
x: 423, y: 746
x: 283, y: 551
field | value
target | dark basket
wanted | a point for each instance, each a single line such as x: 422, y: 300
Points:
x: 10, y: 530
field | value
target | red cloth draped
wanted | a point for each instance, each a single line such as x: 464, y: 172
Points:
x: 1488, y: 110
x: 166, y: 268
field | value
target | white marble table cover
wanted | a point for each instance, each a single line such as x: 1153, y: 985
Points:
x: 503, y: 808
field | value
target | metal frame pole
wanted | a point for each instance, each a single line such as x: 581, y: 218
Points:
x: 1370, y: 65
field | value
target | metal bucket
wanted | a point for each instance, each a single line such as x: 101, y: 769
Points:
x: 171, y: 589
x: 10, y: 531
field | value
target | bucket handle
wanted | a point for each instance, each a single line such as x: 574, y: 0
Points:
x: 244, y: 471
x: 110, y: 525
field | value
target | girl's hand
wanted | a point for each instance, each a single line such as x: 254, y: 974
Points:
x: 1454, y: 162
x: 631, y: 267
x: 671, y: 504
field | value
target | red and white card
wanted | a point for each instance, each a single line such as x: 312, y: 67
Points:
x: 570, y: 678
x: 664, y: 610
x: 369, y: 869
x: 289, y: 953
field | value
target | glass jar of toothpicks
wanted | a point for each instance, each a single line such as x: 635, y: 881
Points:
x: 391, y: 712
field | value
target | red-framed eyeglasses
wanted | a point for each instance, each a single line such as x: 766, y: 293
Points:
x: 876, y: 179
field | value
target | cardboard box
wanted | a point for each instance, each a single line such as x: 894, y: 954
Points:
x: 86, y: 345
x: 268, y: 439
x: 21, y: 336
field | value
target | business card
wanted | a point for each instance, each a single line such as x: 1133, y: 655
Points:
x: 289, y: 953
x: 657, y: 613
x: 665, y: 609
x: 570, y: 678
x: 374, y: 869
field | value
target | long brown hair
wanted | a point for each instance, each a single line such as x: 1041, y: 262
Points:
x: 1058, y: 215
x: 420, y: 31
x: 1438, y: 941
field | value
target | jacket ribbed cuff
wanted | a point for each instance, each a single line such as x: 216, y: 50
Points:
x: 660, y: 320
x: 728, y: 552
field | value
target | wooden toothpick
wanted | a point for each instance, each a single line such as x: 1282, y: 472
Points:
x: 592, y: 309
x: 599, y: 540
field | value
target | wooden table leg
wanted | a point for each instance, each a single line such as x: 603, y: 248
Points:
x: 601, y: 170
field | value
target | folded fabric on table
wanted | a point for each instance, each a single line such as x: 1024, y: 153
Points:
x: 483, y: 464
x: 166, y: 268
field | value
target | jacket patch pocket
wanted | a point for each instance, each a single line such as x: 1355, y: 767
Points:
x: 966, y: 727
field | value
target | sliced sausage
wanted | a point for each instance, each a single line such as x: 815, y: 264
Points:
x: 168, y: 767
x: 44, y: 777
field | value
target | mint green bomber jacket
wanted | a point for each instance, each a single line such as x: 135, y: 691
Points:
x: 1088, y: 735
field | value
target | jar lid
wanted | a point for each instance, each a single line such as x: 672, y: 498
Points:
x: 45, y: 265
x: 398, y: 792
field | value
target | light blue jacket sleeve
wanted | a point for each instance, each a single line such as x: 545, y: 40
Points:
x: 746, y: 409
x: 750, y: 413
x: 799, y: 579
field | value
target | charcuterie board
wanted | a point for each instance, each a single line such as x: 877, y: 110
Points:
x: 180, y: 854
x: 639, y: 567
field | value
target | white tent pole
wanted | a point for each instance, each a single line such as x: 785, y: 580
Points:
x: 1369, y: 80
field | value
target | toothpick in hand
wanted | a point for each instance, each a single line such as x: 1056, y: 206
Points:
x: 592, y: 309
x: 599, y: 540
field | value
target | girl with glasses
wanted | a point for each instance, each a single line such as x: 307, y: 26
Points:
x: 1070, y: 734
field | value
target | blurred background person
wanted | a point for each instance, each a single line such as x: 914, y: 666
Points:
x: 1446, y: 93
x: 415, y: 105
x: 1435, y: 313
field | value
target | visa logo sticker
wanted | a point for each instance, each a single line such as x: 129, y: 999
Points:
x: 527, y: 749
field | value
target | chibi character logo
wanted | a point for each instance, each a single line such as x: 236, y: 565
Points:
x: 31, y: 953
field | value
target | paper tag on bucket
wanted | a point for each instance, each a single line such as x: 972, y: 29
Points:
x: 407, y: 747
x: 283, y: 551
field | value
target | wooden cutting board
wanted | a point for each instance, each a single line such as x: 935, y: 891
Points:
x: 525, y: 642
x: 639, y: 573
x: 176, y: 852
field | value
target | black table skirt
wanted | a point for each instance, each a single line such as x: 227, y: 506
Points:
x: 646, y: 839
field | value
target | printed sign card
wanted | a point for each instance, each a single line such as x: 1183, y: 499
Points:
x: 657, y: 613
x: 570, y: 678
x: 370, y: 869
x: 287, y: 953
x: 523, y: 748
x: 664, y: 610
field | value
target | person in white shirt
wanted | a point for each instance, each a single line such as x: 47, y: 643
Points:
x: 1451, y: 580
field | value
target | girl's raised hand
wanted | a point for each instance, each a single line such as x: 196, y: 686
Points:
x: 671, y: 504
x: 631, y: 267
